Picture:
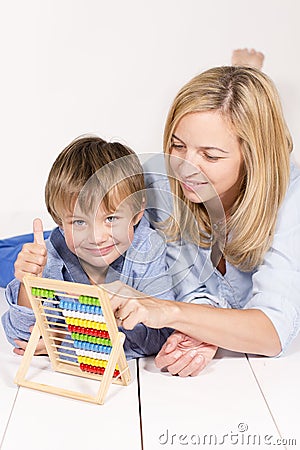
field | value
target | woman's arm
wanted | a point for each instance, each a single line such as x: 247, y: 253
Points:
x: 248, y: 331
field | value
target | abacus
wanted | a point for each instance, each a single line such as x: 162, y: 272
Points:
x: 80, y: 334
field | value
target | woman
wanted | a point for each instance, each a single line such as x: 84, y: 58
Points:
x: 227, y: 150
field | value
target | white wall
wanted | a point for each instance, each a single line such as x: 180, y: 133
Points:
x: 112, y: 67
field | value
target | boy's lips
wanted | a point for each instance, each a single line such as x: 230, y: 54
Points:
x: 101, y: 251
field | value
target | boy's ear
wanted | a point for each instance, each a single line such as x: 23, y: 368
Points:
x: 138, y: 217
x: 140, y: 214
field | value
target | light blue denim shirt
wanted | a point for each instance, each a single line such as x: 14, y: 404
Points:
x: 142, y: 267
x: 273, y: 287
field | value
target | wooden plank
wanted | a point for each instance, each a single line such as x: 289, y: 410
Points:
x: 278, y: 379
x: 43, y: 421
x: 8, y: 390
x: 219, y: 408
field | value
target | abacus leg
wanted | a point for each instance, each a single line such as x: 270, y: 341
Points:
x: 28, y: 355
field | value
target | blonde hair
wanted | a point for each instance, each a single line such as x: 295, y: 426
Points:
x: 91, y: 171
x: 249, y: 101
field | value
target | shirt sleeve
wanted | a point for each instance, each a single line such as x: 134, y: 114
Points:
x: 144, y: 341
x: 146, y: 265
x: 276, y: 284
x: 18, y: 319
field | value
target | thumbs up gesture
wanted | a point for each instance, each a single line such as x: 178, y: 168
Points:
x: 33, y: 256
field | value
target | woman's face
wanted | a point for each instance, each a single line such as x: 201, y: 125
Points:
x: 206, y: 158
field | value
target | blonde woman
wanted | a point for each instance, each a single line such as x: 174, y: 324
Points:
x: 236, y: 197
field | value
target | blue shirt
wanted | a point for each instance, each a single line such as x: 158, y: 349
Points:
x: 273, y: 287
x: 143, y: 267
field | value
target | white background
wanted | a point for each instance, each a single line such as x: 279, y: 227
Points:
x: 112, y: 67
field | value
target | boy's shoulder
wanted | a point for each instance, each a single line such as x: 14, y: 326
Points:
x: 147, y: 242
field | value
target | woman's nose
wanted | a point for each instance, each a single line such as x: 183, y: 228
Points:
x: 189, y: 164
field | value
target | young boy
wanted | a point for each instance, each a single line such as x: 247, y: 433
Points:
x: 95, y: 193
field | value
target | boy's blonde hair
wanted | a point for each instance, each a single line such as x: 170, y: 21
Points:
x: 250, y: 103
x: 91, y: 171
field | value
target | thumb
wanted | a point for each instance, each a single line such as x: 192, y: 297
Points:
x: 38, y: 233
x: 173, y: 341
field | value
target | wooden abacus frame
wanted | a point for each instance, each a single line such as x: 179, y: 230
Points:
x: 51, y: 330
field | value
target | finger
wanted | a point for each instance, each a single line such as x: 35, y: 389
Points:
x: 116, y: 301
x: 21, y: 344
x: 41, y: 348
x: 173, y: 341
x: 31, y: 251
x: 26, y: 268
x: 169, y: 346
x: 193, y: 369
x: 129, y: 321
x: 18, y: 351
x: 166, y: 360
x: 182, y: 363
x: 38, y: 232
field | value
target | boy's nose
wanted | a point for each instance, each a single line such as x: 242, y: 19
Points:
x: 99, y: 235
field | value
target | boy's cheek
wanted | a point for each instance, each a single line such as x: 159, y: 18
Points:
x: 124, y: 235
x: 70, y: 241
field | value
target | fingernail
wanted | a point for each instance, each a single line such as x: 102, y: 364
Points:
x: 199, y: 359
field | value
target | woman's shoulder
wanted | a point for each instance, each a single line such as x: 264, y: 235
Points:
x: 293, y: 191
x: 289, y: 212
x: 295, y: 174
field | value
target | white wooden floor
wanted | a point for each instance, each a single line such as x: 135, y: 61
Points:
x: 237, y: 402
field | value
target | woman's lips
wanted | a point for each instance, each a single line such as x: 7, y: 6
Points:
x: 193, y: 185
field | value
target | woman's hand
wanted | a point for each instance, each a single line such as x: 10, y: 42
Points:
x: 184, y: 356
x: 131, y: 307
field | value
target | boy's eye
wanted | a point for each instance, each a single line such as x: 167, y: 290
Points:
x: 110, y: 219
x: 79, y: 223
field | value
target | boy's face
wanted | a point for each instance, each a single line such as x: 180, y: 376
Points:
x: 100, y: 238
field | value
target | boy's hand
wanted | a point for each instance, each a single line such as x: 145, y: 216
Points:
x: 33, y: 256
x: 40, y: 348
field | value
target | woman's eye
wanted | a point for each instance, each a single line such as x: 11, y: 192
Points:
x: 177, y: 146
x: 210, y: 157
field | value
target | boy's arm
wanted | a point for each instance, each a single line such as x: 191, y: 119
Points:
x: 143, y: 341
x: 17, y: 320
x: 31, y: 260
